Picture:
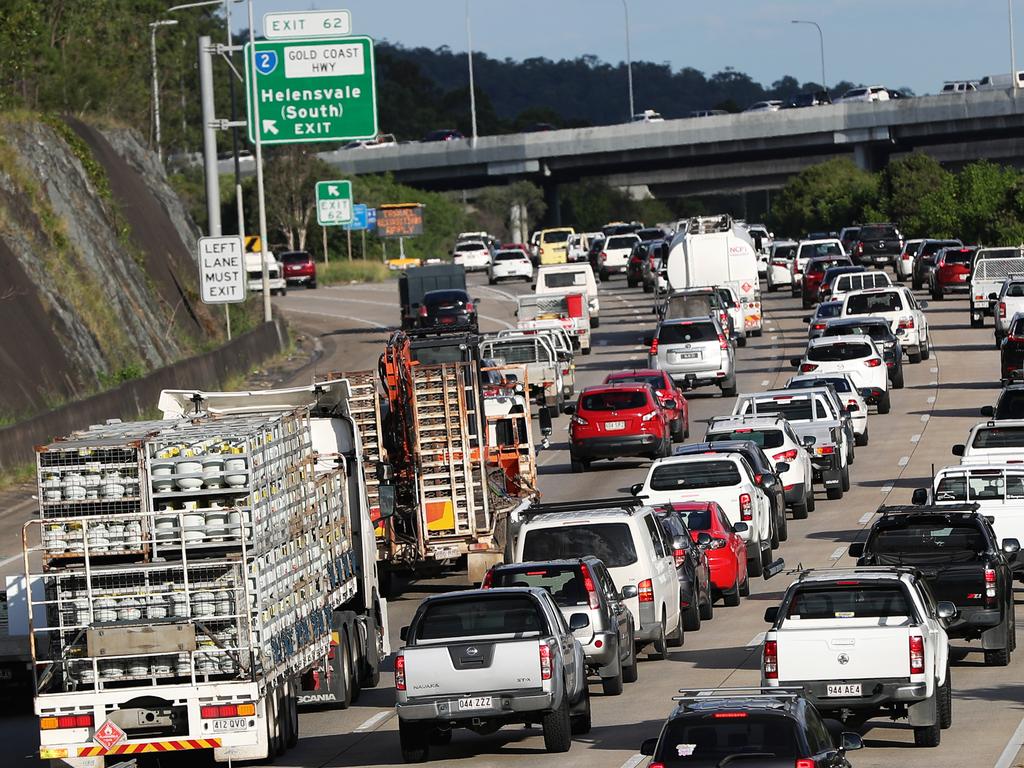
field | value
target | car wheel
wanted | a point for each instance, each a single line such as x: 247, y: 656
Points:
x: 580, y: 722
x: 707, y: 610
x: 745, y: 585
x: 414, y: 740
x: 311, y: 284
x: 648, y: 288
x: 491, y: 281
x: 977, y: 321
x: 915, y: 283
x: 557, y: 727
x: 999, y: 342
x: 811, y: 503
x: 926, y: 348
x: 692, y: 615
x: 630, y: 282
x: 927, y: 735
x: 800, y: 510
x: 897, y: 380
x: 946, y: 703
x: 805, y: 304
x: 595, y: 322
x: 741, y: 341
x: 846, y: 478
x: 579, y: 465
x: 783, y: 525
x: 914, y: 357
x: 678, y: 636
x: 729, y: 390
x: 604, y: 275
x: 732, y: 597
x: 775, y: 533
x: 677, y: 431
x: 884, y: 403
x: 659, y: 648
x: 755, y: 565
x: 612, y: 686
x: 834, y: 494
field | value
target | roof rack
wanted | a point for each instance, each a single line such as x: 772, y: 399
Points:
x: 706, y: 694
x: 860, y: 568
x: 927, y: 509
x: 628, y: 503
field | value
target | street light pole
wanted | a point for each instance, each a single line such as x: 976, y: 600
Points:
x: 472, y: 88
x: 629, y: 62
x: 156, y: 83
x: 1013, y: 49
x: 821, y: 43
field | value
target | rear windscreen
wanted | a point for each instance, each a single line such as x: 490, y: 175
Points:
x: 483, y: 615
x: 790, y: 409
x: 833, y: 353
x: 564, y: 279
x: 820, y: 249
x: 684, y: 333
x: 982, y: 485
x: 876, y: 331
x: 999, y: 437
x: 923, y: 540
x: 930, y: 249
x: 765, y: 438
x: 849, y: 601
x: 564, y: 582
x: 689, y: 306
x: 724, y: 737
x: 957, y: 257
x: 878, y: 233
x: 829, y: 309
x: 613, y: 401
x: 510, y: 256
x: 611, y: 542
x: 687, y: 476
x: 469, y: 247
x: 872, y: 303
x: 655, y: 382
x: 556, y: 237
x: 621, y: 242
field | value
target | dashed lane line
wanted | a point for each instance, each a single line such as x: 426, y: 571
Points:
x: 925, y: 417
x: 886, y: 490
x: 379, y: 719
x: 633, y: 761
x: 904, y: 460
x: 838, y: 553
x: 866, y: 518
x: 915, y: 438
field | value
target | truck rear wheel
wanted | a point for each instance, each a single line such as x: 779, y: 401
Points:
x: 946, y: 703
x: 341, y: 672
x: 927, y: 735
x: 414, y: 740
x: 557, y: 727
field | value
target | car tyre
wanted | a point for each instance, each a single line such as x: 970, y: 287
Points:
x: 846, y: 478
x: 579, y: 465
x: 678, y: 433
x: 897, y: 380
x: 603, y: 275
x: 659, y: 648
x: 754, y: 565
x: 811, y: 502
x: 783, y: 526
x: 630, y: 282
x: 582, y: 721
x: 927, y: 735
x: 557, y: 727
x: 926, y: 348
x: 678, y: 636
x: 800, y: 510
x: 884, y: 403
x: 729, y: 390
x: 629, y: 671
x: 692, y: 616
x: 707, y: 609
x: 731, y: 598
x: 741, y: 341
x: 914, y: 357
x: 774, y: 534
x: 946, y: 703
x: 862, y: 439
x: 414, y: 740
x: 745, y: 586
x: 595, y: 322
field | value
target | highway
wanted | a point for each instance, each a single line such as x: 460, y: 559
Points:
x: 940, y: 401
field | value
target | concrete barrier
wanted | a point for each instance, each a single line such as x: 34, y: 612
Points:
x: 137, y: 397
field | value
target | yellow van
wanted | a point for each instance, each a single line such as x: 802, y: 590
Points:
x: 553, y: 245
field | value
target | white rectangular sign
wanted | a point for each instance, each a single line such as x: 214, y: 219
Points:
x: 327, y: 60
x: 306, y: 24
x: 222, y: 269
x: 334, y: 211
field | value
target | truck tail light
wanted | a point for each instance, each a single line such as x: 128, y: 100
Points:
x: 488, y: 581
x: 645, y: 591
x: 400, y: 672
x: 654, y: 347
x: 770, y: 660
x: 746, y: 507
x: 825, y: 450
x: 1002, y: 309
x: 470, y: 307
x: 990, y: 587
x: 916, y: 655
x: 65, y: 721
x: 789, y: 455
x: 808, y: 367
x: 588, y: 584
x: 874, y: 362
x: 907, y: 323
x: 545, y: 661
x: 213, y: 712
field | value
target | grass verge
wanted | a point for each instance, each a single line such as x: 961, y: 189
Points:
x: 352, y: 271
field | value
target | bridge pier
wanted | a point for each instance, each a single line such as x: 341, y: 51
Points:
x: 553, y: 217
x: 871, y: 156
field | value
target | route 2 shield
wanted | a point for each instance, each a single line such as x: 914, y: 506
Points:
x: 266, y: 62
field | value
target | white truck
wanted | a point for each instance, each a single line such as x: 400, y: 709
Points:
x: 864, y: 642
x: 715, y: 251
x: 254, y: 273
x: 992, y: 266
x: 534, y: 356
x: 570, y: 311
x: 194, y: 579
x: 992, y: 442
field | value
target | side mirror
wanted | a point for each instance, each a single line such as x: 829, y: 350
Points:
x: 533, y: 286
x: 740, y: 527
x: 403, y: 634
x: 1011, y: 546
x: 946, y: 610
x: 648, y: 747
x: 703, y: 539
x: 920, y: 496
x: 849, y: 742
x: 569, y: 408
x: 794, y: 361
x: 628, y: 591
x: 856, y: 549
x: 771, y: 614
x: 923, y: 304
x: 578, y: 621
x: 649, y: 339
x: 959, y: 449
x: 635, y: 488
x: 670, y: 404
x: 808, y: 440
x: 988, y: 410
x: 782, y: 466
x: 774, y: 569
x: 807, y: 318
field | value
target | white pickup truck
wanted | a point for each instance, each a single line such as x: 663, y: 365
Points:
x: 534, y: 355
x: 993, y: 442
x: 863, y: 642
x: 484, y: 658
x: 991, y: 268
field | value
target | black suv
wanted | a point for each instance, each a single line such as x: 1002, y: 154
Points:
x: 877, y: 244
x: 1009, y: 405
x: 692, y: 567
x: 887, y: 342
x: 448, y: 309
x: 749, y: 727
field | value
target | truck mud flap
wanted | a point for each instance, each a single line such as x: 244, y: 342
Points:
x: 996, y: 638
x: 924, y: 712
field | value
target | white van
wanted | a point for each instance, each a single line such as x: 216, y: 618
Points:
x: 630, y: 541
x: 570, y: 278
x: 1000, y: 81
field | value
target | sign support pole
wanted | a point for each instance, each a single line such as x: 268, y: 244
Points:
x: 324, y: 230
x: 213, y: 227
x: 362, y: 245
x: 349, y: 233
x: 254, y: 99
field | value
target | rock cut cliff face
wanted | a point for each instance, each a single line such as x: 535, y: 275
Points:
x: 97, y: 274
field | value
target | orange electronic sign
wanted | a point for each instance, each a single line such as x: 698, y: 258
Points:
x: 400, y: 220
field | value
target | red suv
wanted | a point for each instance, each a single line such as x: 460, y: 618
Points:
x: 615, y: 420
x: 299, y: 268
x: 727, y: 552
x: 665, y: 389
x: 814, y: 272
x: 952, y: 273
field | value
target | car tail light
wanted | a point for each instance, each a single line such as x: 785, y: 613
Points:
x: 808, y: 367
x: 874, y: 362
x: 770, y: 660
x: 1002, y: 309
x: 746, y: 507
x: 825, y: 450
x: 588, y: 585
x: 66, y: 721
x: 649, y: 415
x: 423, y: 310
x: 990, y: 587
x: 227, y: 710
x: 804, y: 762
x: 819, y: 326
x: 907, y: 322
x: 400, y: 672
x: 604, y: 256
x: 488, y: 581
x: 545, y: 661
x: 645, y: 591
x: 654, y: 347
x: 916, y: 655
x: 789, y: 455
x: 680, y: 556
x: 723, y: 343
x: 577, y: 419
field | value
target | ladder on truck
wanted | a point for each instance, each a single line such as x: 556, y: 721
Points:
x: 451, y: 456
x: 364, y: 407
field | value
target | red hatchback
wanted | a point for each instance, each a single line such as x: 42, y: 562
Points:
x: 615, y: 420
x: 814, y: 272
x: 299, y: 268
x: 727, y: 552
x: 665, y: 389
x: 952, y: 273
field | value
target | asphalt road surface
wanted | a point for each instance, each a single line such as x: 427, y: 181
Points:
x: 935, y: 409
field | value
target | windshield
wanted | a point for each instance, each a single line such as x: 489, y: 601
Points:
x: 928, y: 540
x: 480, y: 615
x: 999, y: 437
x: 564, y: 582
x: 878, y: 233
x: 783, y: 251
x: 704, y: 740
x: 692, y: 475
x: 833, y: 353
x: 873, y: 303
x: 612, y: 542
x: 849, y: 601
x: 982, y: 485
x: 957, y: 257
x: 683, y: 333
x: 622, y: 241
x: 765, y: 438
x: 564, y: 279
x: 613, y: 401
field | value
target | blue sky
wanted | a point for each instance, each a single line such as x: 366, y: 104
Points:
x: 915, y: 43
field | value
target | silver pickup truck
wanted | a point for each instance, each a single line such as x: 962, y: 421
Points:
x: 535, y: 355
x: 484, y: 658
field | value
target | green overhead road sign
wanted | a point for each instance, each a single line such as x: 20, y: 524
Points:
x: 333, y: 202
x: 312, y: 90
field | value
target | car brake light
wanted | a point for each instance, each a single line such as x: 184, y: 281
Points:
x: 227, y: 710
x: 874, y: 362
x: 588, y: 585
x: 545, y: 661
x: 400, y: 672
x: 648, y: 416
x: 423, y: 310
x: 770, y: 660
x: 577, y: 419
x: 65, y: 721
x: 680, y: 556
x: 645, y: 591
x: 825, y: 450
x: 746, y: 507
x: 819, y: 326
x: 1002, y: 309
x: 916, y: 655
x: 804, y: 762
x: 723, y: 343
x: 808, y: 367
x: 729, y: 715
x: 488, y: 581
x: 654, y: 347
x: 990, y: 587
x: 907, y: 323
x: 789, y: 455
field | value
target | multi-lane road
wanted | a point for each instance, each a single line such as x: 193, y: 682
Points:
x: 940, y: 401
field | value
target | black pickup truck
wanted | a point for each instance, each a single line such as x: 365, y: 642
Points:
x: 877, y: 245
x: 956, y: 550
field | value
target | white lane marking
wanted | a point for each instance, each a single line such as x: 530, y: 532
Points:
x: 507, y: 295
x: 904, y: 460
x: 765, y: 383
x: 933, y: 370
x: 775, y: 338
x: 639, y: 347
x: 925, y: 417
x: 866, y: 518
x: 1009, y: 755
x: 915, y: 438
x: 838, y: 553
x: 633, y: 762
x: 339, y: 317
x: 636, y: 312
x: 374, y: 721
x: 885, y: 489
x: 10, y: 559
x: 931, y: 398
x: 756, y: 641
x: 933, y: 383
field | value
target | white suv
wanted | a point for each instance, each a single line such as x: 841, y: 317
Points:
x: 630, y: 541
x: 905, y: 315
x: 615, y: 254
x: 725, y: 478
x: 775, y: 436
x: 855, y: 355
x: 472, y: 254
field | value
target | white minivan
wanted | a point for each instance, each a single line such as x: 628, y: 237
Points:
x: 562, y: 279
x: 632, y: 544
